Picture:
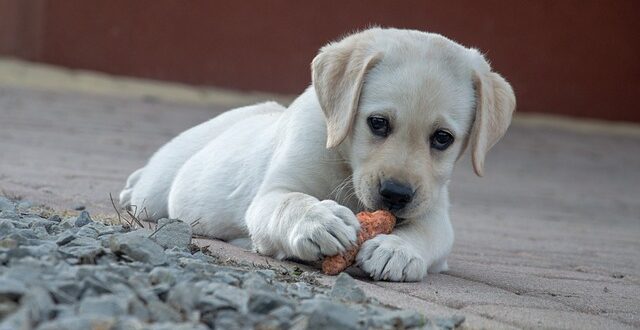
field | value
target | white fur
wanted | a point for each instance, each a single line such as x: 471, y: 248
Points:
x: 265, y: 172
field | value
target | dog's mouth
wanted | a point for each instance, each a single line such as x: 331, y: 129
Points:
x: 400, y: 221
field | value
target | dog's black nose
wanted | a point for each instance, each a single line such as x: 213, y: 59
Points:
x: 394, y: 195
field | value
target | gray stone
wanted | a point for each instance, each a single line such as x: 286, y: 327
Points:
x: 263, y: 302
x: 88, y: 231
x: 139, y: 248
x: 65, y: 291
x: 8, y: 243
x: 84, y: 248
x: 39, y: 305
x: 6, y: 227
x: 41, y: 232
x: 66, y: 237
x: 301, y: 290
x: 6, y: 204
x: 179, y: 326
x: 347, y: 289
x: 161, y: 312
x: 177, y: 253
x: 55, y: 218
x: 66, y: 223
x: 25, y: 234
x: 183, y: 296
x: 39, y: 222
x: 129, y: 323
x: 254, y: 281
x: 105, y: 240
x: 283, y: 313
x: 17, y: 320
x: 230, y: 320
x: 323, y: 314
x: 24, y: 204
x: 18, y: 253
x: 92, y: 286
x: 83, y: 219
x: 163, y: 286
x: 203, y: 257
x: 102, y: 229
x: 172, y: 233
x: 161, y: 290
x: 7, y: 307
x: 9, y: 214
x: 138, y: 309
x: 36, y: 251
x: 79, y: 322
x: 225, y: 277
x: 216, y: 296
x: 104, y: 305
x: 449, y: 322
x: 18, y: 223
x: 64, y: 310
x: 11, y: 289
x: 162, y: 275
x: 398, y: 319
x: 267, y: 274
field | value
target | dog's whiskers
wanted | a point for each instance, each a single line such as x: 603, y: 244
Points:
x: 338, y: 190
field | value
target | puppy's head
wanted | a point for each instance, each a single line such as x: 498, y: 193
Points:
x: 401, y: 106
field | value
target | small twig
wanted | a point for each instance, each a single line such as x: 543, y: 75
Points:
x: 115, y: 208
x: 145, y: 213
x: 195, y: 223
x: 157, y: 229
x: 134, y: 217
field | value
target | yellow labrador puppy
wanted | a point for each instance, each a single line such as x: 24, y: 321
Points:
x: 387, y: 115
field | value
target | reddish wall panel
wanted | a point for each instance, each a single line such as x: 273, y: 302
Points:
x: 568, y: 57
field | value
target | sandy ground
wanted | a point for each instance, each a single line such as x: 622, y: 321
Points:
x: 549, y: 238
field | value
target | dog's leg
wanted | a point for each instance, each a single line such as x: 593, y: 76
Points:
x: 127, y: 191
x: 412, y: 249
x: 291, y: 224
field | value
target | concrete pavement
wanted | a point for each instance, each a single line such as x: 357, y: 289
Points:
x: 550, y: 238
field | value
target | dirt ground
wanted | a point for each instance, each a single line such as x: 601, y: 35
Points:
x: 550, y: 237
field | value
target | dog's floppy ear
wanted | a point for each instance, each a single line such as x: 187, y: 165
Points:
x: 338, y: 73
x: 495, y: 103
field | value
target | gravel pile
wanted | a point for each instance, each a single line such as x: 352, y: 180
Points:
x: 75, y: 273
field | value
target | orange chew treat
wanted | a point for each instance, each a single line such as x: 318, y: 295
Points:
x: 371, y: 224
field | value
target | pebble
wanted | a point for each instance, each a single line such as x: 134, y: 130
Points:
x: 79, y: 322
x: 172, y: 233
x: 139, y: 248
x: 83, y: 219
x: 346, y: 288
x: 6, y: 204
x: 66, y: 237
x: 75, y: 273
x: 325, y: 314
x: 11, y: 289
x: 263, y: 302
x: 105, y: 305
x: 6, y: 227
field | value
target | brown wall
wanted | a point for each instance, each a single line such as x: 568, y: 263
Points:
x: 562, y: 56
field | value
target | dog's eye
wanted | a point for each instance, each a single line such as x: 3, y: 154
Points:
x: 379, y: 125
x: 441, y: 140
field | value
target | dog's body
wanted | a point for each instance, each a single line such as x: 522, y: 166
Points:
x: 387, y: 116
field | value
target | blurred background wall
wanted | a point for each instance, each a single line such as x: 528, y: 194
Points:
x: 569, y: 57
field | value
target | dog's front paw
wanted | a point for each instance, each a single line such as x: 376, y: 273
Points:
x: 387, y: 257
x: 326, y: 229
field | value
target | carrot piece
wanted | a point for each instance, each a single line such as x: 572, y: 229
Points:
x: 371, y: 224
